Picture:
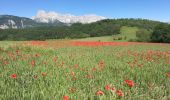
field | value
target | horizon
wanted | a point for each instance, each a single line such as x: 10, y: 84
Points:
x: 110, y: 9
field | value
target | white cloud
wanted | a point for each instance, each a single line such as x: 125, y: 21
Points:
x: 43, y: 16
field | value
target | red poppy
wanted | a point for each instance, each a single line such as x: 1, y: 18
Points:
x: 13, y: 76
x: 18, y: 53
x: 33, y: 62
x: 62, y: 62
x: 150, y: 52
x: 130, y: 83
x: 65, y: 97
x: 5, y: 62
x: 113, y: 88
x: 55, y: 59
x: 99, y: 93
x: 119, y: 93
x: 107, y: 87
x: 94, y: 69
x: 72, y: 73
x: 168, y: 74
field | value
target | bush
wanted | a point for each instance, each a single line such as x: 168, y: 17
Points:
x: 161, y: 33
x: 143, y: 35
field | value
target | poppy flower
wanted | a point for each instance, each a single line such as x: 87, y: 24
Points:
x: 33, y: 62
x: 94, y: 69
x: 107, y: 87
x: 5, y: 62
x: 62, y: 62
x: 99, y: 93
x: 150, y: 52
x: 65, y: 97
x: 13, y: 76
x: 55, y: 59
x: 113, y: 88
x: 119, y: 93
x: 168, y: 74
x: 72, y: 73
x: 130, y: 83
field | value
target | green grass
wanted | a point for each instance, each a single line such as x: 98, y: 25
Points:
x: 111, y: 62
x: 128, y: 32
x: 102, y: 39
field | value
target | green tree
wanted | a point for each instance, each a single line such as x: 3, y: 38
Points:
x: 143, y: 35
x: 161, y: 33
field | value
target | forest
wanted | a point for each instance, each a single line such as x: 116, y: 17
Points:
x: 150, y: 31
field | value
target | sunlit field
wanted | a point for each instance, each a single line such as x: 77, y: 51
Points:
x: 68, y: 70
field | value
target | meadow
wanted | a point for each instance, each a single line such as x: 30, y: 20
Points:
x: 74, y: 70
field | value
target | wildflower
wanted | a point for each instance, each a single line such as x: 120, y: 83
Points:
x: 94, y: 69
x: 107, y: 87
x: 130, y: 83
x: 62, y: 62
x: 119, y: 93
x: 113, y: 89
x: 72, y: 73
x: 99, y: 93
x: 150, y: 52
x: 13, y: 76
x: 33, y: 63
x: 55, y: 59
x: 5, y: 62
x: 65, y: 97
x: 18, y: 53
x: 168, y: 74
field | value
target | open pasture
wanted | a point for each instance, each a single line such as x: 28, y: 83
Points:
x: 73, y: 70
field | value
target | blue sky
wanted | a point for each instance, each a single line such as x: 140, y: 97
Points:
x: 149, y: 9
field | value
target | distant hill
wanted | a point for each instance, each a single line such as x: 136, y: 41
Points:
x: 15, y: 22
x: 121, y: 29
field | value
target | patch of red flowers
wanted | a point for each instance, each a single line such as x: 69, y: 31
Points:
x: 99, y: 93
x: 107, y: 87
x: 13, y: 76
x: 130, y: 83
x: 65, y: 97
x: 119, y: 93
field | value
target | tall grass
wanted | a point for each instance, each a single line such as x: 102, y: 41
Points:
x: 79, y: 72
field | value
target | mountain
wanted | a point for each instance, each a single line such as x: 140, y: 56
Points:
x: 43, y: 16
x: 15, y: 22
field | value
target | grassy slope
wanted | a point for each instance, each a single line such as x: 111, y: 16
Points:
x: 128, y: 32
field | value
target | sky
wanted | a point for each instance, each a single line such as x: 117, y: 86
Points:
x: 147, y: 9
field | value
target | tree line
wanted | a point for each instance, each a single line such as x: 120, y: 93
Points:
x: 100, y: 28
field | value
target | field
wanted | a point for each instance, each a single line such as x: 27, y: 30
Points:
x: 74, y: 70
